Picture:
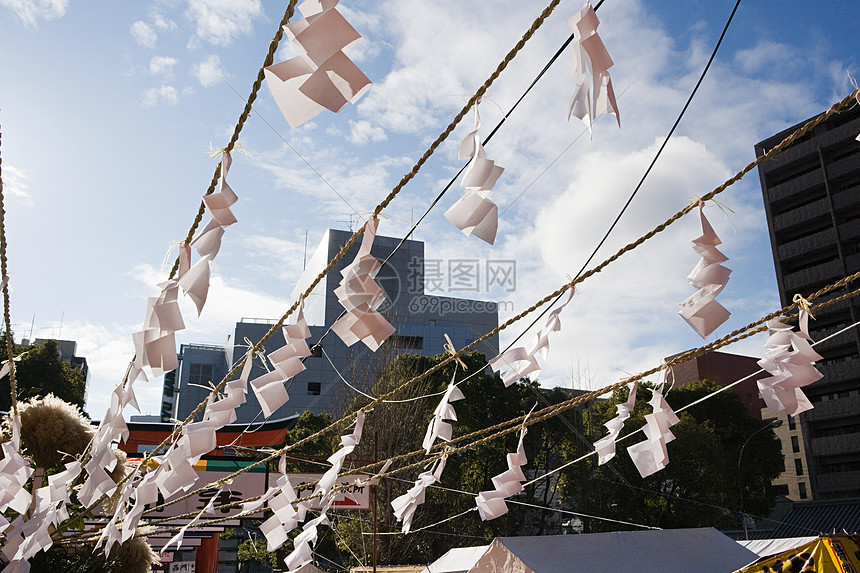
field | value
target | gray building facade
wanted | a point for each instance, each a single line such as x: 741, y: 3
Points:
x: 812, y: 202
x: 421, y: 321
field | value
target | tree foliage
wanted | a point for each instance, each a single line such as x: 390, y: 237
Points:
x: 39, y: 373
x: 397, y: 428
x: 701, y: 486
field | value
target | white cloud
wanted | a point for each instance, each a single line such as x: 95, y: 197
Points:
x: 765, y: 55
x: 143, y: 34
x: 209, y: 71
x: 362, y: 131
x: 161, y: 65
x: 162, y: 23
x: 29, y: 11
x: 165, y: 93
x: 276, y: 256
x: 15, y: 184
x: 219, y: 22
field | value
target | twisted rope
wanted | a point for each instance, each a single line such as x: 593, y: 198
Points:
x: 243, y: 117
x: 13, y: 384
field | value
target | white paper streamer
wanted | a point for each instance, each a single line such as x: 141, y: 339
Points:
x: 701, y: 310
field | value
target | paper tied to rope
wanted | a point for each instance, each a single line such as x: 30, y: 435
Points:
x: 474, y: 214
x: 405, y: 505
x: 701, y: 310
x: 449, y: 348
x: 438, y: 427
x: 651, y: 456
x: 286, y: 363
x: 605, y: 447
x: 491, y: 504
x: 790, y: 361
x: 321, y: 76
x: 361, y: 296
x: 518, y: 362
x: 590, y: 57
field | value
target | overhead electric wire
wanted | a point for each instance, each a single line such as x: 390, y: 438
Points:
x: 647, y: 171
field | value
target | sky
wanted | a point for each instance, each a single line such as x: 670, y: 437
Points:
x: 108, y: 111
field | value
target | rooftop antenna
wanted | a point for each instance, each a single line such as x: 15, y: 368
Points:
x: 351, y: 222
x: 32, y: 325
x: 60, y: 334
x: 305, y: 257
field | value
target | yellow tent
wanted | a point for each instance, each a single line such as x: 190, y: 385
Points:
x: 827, y: 554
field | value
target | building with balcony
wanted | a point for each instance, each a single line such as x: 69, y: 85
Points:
x: 812, y: 203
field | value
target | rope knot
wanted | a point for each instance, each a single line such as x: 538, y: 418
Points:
x: 802, y: 304
x: 449, y: 348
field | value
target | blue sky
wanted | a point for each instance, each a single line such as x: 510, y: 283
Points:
x: 108, y: 109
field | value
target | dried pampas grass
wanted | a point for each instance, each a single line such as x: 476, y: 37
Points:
x: 135, y: 556
x: 52, y: 428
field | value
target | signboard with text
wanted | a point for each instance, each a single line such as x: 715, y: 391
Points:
x: 353, y: 497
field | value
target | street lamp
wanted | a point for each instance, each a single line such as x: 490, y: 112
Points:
x: 772, y: 424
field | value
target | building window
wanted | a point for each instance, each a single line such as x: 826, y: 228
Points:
x: 798, y: 466
x: 802, y: 487
x: 792, y: 424
x: 406, y: 342
x: 795, y: 444
x: 314, y: 388
x: 200, y: 374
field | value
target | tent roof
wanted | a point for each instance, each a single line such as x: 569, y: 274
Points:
x: 667, y: 550
x: 457, y: 560
x: 766, y: 547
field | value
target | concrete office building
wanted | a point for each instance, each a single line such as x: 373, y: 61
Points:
x: 812, y: 202
x: 422, y: 320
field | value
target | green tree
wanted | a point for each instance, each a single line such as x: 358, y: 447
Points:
x: 701, y: 485
x: 39, y: 373
x: 398, y: 427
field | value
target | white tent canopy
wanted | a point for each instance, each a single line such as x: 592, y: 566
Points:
x: 457, y: 560
x: 704, y: 550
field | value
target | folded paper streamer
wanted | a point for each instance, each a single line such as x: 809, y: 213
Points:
x: 520, y: 362
x: 790, y: 360
x: 590, y: 56
x: 322, y: 76
x: 302, y: 553
x: 348, y: 443
x: 287, y: 362
x: 473, y: 213
x: 438, y: 427
x: 605, y: 447
x: 361, y: 296
x: 112, y: 429
x: 701, y: 310
x: 15, y: 470
x: 491, y: 504
x: 195, y: 282
x: 406, y: 504
x: 285, y: 517
x: 651, y: 455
